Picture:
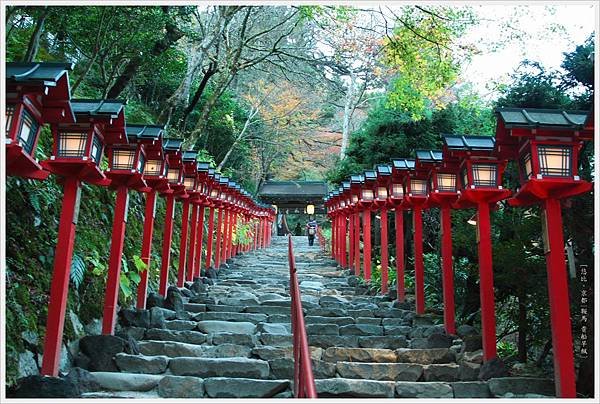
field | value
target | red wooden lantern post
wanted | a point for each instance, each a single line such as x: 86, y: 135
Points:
x: 366, y: 203
x: 36, y: 93
x: 203, y: 202
x: 350, y: 208
x: 213, y: 201
x: 219, y: 230
x: 332, y: 214
x: 443, y: 193
x: 175, y: 178
x: 155, y: 175
x: 76, y: 155
x: 415, y: 188
x: 190, y: 173
x: 400, y: 170
x: 225, y: 206
x: 546, y: 144
x: 126, y: 167
x: 356, y: 182
x: 481, y: 185
x: 344, y: 213
x: 384, y: 174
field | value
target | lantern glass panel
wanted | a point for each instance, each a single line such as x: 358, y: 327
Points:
x: 526, y: 166
x: 446, y: 182
x: 555, y: 161
x: 342, y: 204
x: 222, y: 196
x: 485, y: 175
x: 397, y: 190
x: 96, y: 152
x: 72, y: 144
x: 418, y: 187
x: 10, y: 112
x: 354, y: 198
x: 214, y: 193
x: 141, y: 163
x: 382, y: 193
x: 28, y: 131
x: 123, y: 159
x: 189, y: 183
x: 310, y: 209
x: 153, y: 168
x: 367, y: 195
x: 173, y: 175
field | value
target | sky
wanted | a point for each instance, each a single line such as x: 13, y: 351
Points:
x: 546, y: 32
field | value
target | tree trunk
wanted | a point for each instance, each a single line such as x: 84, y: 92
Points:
x: 348, y: 109
x: 212, y: 69
x: 522, y: 343
x: 172, y: 35
x: 34, y: 42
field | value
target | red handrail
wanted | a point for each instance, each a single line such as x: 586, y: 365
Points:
x: 304, y: 381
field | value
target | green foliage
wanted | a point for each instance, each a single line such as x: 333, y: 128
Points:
x: 506, y: 349
x: 243, y: 233
x: 423, y: 53
x: 77, y: 270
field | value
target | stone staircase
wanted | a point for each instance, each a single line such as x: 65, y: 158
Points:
x: 232, y: 339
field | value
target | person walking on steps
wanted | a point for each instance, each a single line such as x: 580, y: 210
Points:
x: 311, y: 231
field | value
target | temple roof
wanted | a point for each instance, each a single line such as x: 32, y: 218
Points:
x: 302, y: 189
x: 469, y: 142
x: 533, y: 117
x: 105, y: 108
x: 46, y: 74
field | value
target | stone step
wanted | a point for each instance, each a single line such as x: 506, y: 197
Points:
x: 189, y: 337
x: 141, y: 363
x: 220, y: 367
x: 380, y: 371
x: 148, y: 395
x: 115, y: 381
x: 226, y: 387
x: 348, y: 388
x: 180, y: 349
x: 335, y: 354
x: 229, y: 316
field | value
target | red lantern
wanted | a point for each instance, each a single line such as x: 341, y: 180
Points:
x: 480, y: 186
x: 384, y: 178
x: 442, y: 193
x: 546, y: 143
x: 154, y: 175
x: 173, y: 153
x: 36, y: 93
x: 76, y: 156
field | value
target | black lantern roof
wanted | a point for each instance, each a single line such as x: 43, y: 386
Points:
x: 403, y: 164
x: 336, y: 193
x: 217, y: 176
x: 357, y: 179
x: 173, y: 144
x: 98, y: 108
x: 383, y: 169
x: 238, y: 187
x: 204, y: 167
x: 370, y: 175
x: 346, y: 185
x: 429, y: 156
x: 189, y: 156
x: 469, y: 142
x: 224, y: 181
x: 533, y: 117
x: 145, y: 132
x: 46, y: 73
